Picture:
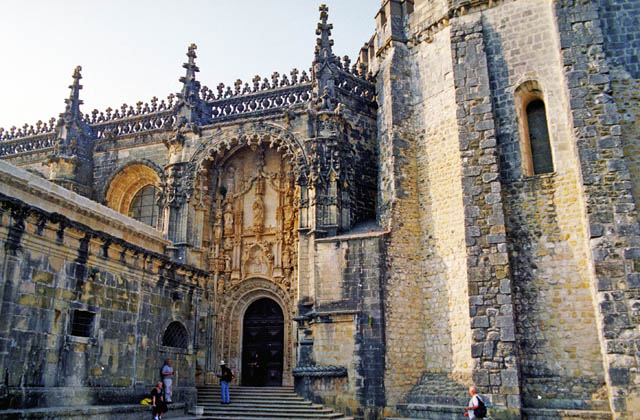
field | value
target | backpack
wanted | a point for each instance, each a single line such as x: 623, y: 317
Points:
x: 481, y: 411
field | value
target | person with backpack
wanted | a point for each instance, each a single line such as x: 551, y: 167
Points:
x: 476, y: 408
x: 225, y: 375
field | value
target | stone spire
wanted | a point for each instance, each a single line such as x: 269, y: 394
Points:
x: 71, y: 126
x: 191, y: 108
x: 72, y: 110
x: 71, y: 164
x: 325, y: 65
x: 324, y: 41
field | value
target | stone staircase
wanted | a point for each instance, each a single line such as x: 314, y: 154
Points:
x: 263, y: 403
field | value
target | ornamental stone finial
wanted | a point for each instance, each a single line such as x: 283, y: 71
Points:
x: 324, y: 41
x: 72, y: 109
x: 191, y: 108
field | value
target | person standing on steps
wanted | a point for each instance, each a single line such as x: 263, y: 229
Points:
x: 167, y: 378
x: 225, y: 375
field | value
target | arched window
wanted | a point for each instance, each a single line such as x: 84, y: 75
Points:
x: 144, y: 206
x: 535, y: 142
x: 176, y: 336
x: 539, y: 137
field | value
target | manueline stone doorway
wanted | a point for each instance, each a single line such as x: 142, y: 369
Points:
x: 263, y: 344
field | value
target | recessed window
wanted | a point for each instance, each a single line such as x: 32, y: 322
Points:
x: 82, y: 323
x: 176, y: 336
x: 144, y: 206
x: 535, y: 141
x: 539, y: 138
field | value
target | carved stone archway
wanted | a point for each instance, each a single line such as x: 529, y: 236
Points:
x: 126, y: 182
x: 233, y: 306
x: 268, y: 134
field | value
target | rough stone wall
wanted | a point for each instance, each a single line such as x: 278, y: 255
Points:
x: 626, y: 91
x: 53, y: 265
x: 442, y: 240
x: 621, y: 31
x: 399, y: 212
x: 111, y: 156
x: 495, y: 366
x: 347, y: 325
x: 545, y: 223
x: 620, y: 22
x: 364, y: 170
x: 610, y: 209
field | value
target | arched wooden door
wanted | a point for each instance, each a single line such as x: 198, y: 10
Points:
x: 262, y: 344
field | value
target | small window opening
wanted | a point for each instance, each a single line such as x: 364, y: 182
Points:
x: 539, y: 137
x: 175, y: 336
x: 144, y: 206
x: 82, y: 323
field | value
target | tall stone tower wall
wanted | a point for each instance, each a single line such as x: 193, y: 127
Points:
x: 546, y: 227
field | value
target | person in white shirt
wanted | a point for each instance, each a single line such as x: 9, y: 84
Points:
x: 473, y: 402
x: 167, y: 375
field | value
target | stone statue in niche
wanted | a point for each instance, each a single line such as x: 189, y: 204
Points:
x: 286, y: 258
x: 238, y: 219
x: 228, y: 220
x: 217, y: 229
x: 258, y: 214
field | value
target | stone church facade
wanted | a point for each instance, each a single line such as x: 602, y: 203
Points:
x: 458, y: 207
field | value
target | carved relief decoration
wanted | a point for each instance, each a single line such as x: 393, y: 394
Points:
x: 232, y: 307
x: 254, y: 218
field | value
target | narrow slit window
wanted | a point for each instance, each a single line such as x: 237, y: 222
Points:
x: 539, y: 137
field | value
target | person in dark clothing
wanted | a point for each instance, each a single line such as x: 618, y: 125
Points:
x: 157, y: 400
x: 225, y: 375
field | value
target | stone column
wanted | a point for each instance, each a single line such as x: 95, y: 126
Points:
x: 611, y: 213
x: 493, y: 349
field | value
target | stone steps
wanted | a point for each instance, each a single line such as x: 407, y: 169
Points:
x: 451, y: 412
x: 261, y: 403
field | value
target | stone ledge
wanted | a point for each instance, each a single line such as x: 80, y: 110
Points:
x: 325, y: 371
x: 553, y: 414
x: 98, y: 412
x: 52, y: 198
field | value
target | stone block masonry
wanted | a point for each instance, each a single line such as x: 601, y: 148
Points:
x: 495, y: 368
x: 545, y: 223
x: 610, y: 209
x: 84, y: 313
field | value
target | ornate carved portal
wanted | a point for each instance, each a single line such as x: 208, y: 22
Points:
x: 254, y: 247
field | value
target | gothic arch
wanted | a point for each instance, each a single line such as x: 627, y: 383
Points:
x: 175, y: 334
x: 128, y: 180
x: 233, y: 307
x: 272, y: 135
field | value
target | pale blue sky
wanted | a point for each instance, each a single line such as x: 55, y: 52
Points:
x: 133, y: 50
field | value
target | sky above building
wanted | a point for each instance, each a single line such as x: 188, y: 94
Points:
x: 132, y: 50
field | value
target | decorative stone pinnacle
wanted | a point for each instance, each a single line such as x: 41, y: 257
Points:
x: 190, y: 65
x: 324, y: 41
x: 72, y: 110
x: 191, y: 107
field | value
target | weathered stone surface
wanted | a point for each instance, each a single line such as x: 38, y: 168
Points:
x: 401, y: 224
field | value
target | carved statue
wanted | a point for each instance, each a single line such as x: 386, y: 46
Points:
x: 217, y: 230
x: 228, y: 220
x: 258, y: 213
